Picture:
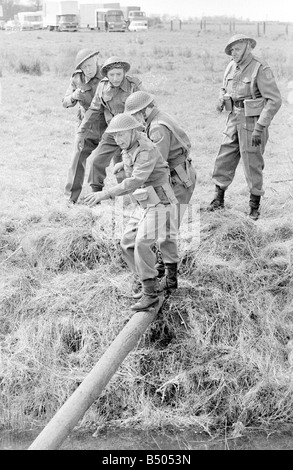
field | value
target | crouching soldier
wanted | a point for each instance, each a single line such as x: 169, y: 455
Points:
x: 81, y: 91
x: 147, y: 180
x: 174, y: 145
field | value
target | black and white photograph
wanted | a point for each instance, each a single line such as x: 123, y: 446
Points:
x: 146, y: 228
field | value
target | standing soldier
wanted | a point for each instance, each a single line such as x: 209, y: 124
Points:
x: 174, y: 145
x: 251, y: 95
x: 147, y: 179
x: 81, y: 90
x: 110, y: 98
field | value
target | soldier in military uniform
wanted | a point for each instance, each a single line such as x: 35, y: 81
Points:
x: 174, y: 145
x: 110, y: 97
x: 250, y: 92
x: 147, y: 180
x: 81, y: 90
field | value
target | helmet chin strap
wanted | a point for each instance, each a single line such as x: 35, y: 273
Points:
x: 144, y: 113
x: 243, y: 54
x: 132, y: 138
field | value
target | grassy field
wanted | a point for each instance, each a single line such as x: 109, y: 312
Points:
x: 219, y: 356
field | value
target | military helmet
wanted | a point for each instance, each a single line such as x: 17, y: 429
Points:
x: 83, y: 55
x: 137, y: 101
x: 239, y: 38
x: 123, y: 122
x: 113, y: 61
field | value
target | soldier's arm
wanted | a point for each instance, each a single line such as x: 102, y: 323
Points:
x: 94, y: 111
x: 223, y: 88
x: 160, y: 135
x: 270, y: 92
x: 143, y: 167
x: 67, y: 101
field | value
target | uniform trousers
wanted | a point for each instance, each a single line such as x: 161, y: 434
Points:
x: 145, y: 228
x: 236, y: 144
x: 84, y: 144
x: 167, y: 245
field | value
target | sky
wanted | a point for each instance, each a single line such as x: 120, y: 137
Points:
x: 255, y: 10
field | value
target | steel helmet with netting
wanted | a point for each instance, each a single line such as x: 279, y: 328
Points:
x: 137, y: 101
x: 123, y: 122
x: 83, y: 55
x: 114, y: 62
x: 239, y: 38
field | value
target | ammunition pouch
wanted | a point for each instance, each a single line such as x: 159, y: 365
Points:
x: 151, y: 197
x: 253, y: 107
x: 182, y: 171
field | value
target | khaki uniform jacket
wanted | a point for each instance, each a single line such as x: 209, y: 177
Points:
x: 169, y: 137
x: 78, y: 81
x: 255, y: 80
x: 143, y: 166
x: 110, y: 99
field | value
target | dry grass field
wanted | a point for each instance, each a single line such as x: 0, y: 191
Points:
x: 218, y: 356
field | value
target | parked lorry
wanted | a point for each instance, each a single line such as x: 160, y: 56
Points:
x: 104, y: 17
x: 88, y: 17
x: 127, y: 9
x: 61, y: 15
x: 30, y: 20
x: 135, y: 15
x: 115, y: 21
x: 137, y: 21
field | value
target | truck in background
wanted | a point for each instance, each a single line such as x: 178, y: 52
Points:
x: 137, y: 21
x: 135, y: 15
x: 127, y: 9
x: 30, y: 20
x: 110, y: 16
x: 88, y: 17
x: 62, y: 15
x: 115, y: 21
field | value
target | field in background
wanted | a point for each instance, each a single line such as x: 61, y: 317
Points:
x: 223, y: 346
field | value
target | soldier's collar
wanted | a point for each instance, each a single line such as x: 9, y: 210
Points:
x: 132, y: 149
x: 123, y: 85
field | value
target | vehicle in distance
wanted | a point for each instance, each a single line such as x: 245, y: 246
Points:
x: 138, y: 26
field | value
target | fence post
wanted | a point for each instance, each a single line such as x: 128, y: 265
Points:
x: 171, y: 25
x: 258, y: 34
x: 180, y: 24
x: 287, y: 28
x: 264, y: 28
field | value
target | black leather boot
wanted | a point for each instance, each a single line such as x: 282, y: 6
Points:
x: 254, y: 203
x: 170, y: 281
x: 151, y: 294
x: 218, y: 201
